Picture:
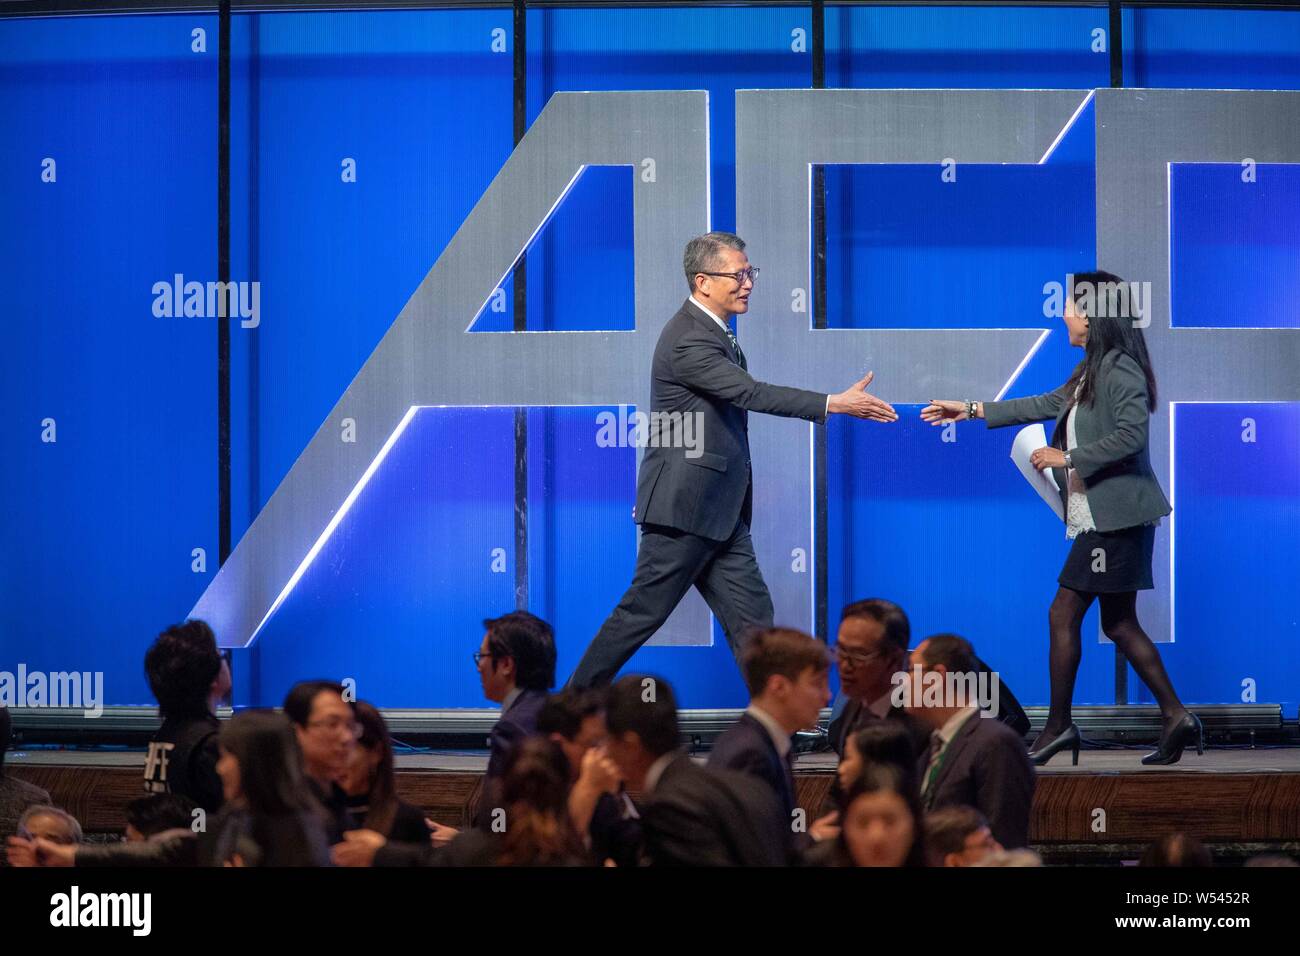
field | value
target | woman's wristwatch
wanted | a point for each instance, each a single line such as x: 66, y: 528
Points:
x: 1069, y: 463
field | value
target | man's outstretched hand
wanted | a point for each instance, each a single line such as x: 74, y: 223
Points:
x: 855, y: 401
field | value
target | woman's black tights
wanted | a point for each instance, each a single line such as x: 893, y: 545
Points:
x: 1120, y: 624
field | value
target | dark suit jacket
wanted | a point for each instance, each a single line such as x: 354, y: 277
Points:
x: 1111, y: 457
x: 747, y: 747
x: 986, y: 767
x: 696, y: 371
x: 701, y: 817
x: 515, y: 723
x: 855, y: 715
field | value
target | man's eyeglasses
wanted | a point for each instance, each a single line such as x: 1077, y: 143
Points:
x: 855, y: 657
x: 479, y: 655
x: 749, y: 272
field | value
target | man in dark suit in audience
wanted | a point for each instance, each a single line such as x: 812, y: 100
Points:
x: 599, y: 807
x: 516, y: 666
x: 786, y: 672
x: 973, y: 760
x: 690, y: 815
x: 870, y: 649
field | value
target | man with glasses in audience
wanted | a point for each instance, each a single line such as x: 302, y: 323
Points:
x: 870, y: 649
x: 694, y: 490
x: 327, y: 732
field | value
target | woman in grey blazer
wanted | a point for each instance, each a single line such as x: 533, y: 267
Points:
x: 1113, y: 502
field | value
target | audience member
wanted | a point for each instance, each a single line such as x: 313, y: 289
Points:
x: 15, y: 795
x: 327, y: 732
x: 271, y: 816
x: 532, y: 826
x: 958, y: 836
x: 972, y: 760
x: 188, y: 677
x: 516, y: 666
x: 598, y: 805
x: 786, y: 673
x: 881, y: 823
x: 690, y: 815
x: 371, y: 783
x: 870, y: 648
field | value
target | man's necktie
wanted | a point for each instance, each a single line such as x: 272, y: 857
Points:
x: 932, y: 765
x: 735, y: 346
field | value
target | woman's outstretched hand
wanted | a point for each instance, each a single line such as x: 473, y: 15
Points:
x: 940, y: 411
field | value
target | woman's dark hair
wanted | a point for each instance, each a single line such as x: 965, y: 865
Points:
x: 881, y: 777
x: 270, y: 763
x: 1106, y: 304
x: 530, y: 641
x: 535, y: 791
x: 381, y: 806
x: 888, y: 742
x: 181, y: 665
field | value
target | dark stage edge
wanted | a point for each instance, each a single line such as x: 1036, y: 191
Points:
x: 1240, y: 801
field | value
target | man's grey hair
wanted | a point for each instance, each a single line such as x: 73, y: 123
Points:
x: 703, y: 253
x: 45, y: 810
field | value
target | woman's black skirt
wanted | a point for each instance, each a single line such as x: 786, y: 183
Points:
x: 1105, y: 562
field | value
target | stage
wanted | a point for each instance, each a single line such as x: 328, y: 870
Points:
x: 1238, y: 800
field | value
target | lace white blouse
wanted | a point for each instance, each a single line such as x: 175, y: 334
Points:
x: 1078, y: 516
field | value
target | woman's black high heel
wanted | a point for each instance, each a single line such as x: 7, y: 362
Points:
x: 1067, y: 738
x: 1180, y: 735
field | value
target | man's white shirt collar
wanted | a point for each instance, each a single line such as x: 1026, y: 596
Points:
x: 780, y: 738
x: 657, y: 770
x: 954, y: 724
x: 700, y: 305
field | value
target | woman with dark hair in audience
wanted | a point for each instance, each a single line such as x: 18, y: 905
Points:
x: 371, y: 785
x: 188, y: 677
x: 534, y: 816
x: 270, y: 817
x: 880, y: 742
x: 881, y: 823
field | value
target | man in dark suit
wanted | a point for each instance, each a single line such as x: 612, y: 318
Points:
x: 690, y: 815
x: 516, y: 666
x: 973, y: 760
x: 871, y: 647
x: 599, y: 807
x: 786, y: 672
x: 694, y: 491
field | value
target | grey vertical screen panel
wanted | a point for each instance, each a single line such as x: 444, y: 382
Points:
x: 780, y: 135
x: 1139, y: 133
x: 428, y: 356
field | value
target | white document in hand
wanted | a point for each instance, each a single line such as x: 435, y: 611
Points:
x: 1028, y: 440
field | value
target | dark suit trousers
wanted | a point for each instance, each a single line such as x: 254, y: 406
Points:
x: 668, y: 562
